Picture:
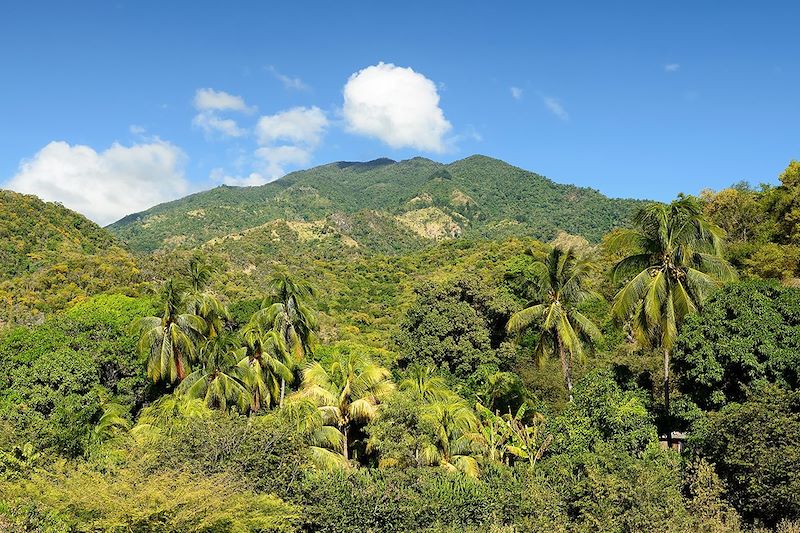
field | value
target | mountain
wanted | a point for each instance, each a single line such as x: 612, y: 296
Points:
x: 51, y: 256
x: 409, y: 203
x: 34, y: 233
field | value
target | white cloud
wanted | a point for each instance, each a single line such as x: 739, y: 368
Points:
x: 211, y: 100
x: 516, y: 93
x: 299, y: 125
x: 104, y: 186
x: 555, y: 107
x: 210, y: 123
x: 288, y: 81
x: 396, y: 105
x: 672, y: 67
x: 277, y: 158
x: 253, y: 179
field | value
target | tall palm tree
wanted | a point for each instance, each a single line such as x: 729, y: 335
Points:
x: 347, y: 391
x: 219, y: 380
x: 168, y: 341
x: 559, y: 286
x: 200, y: 301
x: 674, y: 263
x: 269, y: 363
x: 287, y: 310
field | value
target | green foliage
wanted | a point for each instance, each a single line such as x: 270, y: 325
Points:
x: 747, y: 334
x: 755, y: 446
x: 452, y: 326
x: 57, y: 375
x: 128, y: 499
x: 477, y: 196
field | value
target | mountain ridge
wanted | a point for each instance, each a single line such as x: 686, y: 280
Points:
x: 477, y: 196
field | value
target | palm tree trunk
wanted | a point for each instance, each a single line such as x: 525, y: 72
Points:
x: 565, y: 367
x: 179, y: 365
x: 345, y: 450
x: 283, y: 391
x: 666, y: 399
x: 667, y: 423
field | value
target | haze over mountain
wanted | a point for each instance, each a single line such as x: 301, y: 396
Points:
x: 386, y: 205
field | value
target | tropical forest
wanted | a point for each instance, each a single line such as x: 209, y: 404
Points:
x: 473, y: 348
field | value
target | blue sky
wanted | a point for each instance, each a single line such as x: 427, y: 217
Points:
x: 101, y: 102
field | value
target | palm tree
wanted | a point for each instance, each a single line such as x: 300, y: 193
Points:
x: 168, y: 341
x: 220, y: 381
x: 347, y: 391
x: 675, y: 262
x: 200, y: 301
x: 451, y: 424
x: 559, y: 285
x: 287, y: 311
x: 269, y: 364
x: 423, y: 385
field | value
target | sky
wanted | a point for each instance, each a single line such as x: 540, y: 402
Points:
x: 111, y: 107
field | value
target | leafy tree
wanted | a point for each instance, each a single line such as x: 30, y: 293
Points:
x: 747, y: 334
x: 675, y: 263
x: 168, y: 342
x: 451, y: 326
x: 755, y: 446
x: 347, y: 391
x: 560, y: 287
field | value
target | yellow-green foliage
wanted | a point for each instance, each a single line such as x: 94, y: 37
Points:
x: 80, y: 498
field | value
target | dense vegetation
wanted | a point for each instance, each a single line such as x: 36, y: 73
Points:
x: 409, y: 202
x: 284, y: 379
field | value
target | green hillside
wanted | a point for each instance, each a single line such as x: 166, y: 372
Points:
x: 51, y: 257
x: 34, y: 233
x: 414, y: 202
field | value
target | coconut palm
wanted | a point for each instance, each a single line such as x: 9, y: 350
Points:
x: 287, y: 311
x: 168, y: 342
x: 347, y: 391
x: 451, y: 423
x: 269, y: 363
x: 559, y: 287
x: 423, y: 385
x: 674, y: 263
x: 200, y: 301
x: 219, y: 380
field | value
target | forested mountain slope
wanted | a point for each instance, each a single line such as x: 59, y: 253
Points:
x: 50, y: 256
x: 413, y: 202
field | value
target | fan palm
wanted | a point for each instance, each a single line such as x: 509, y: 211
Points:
x: 168, y: 342
x: 347, y: 391
x: 675, y: 262
x: 220, y: 381
x: 559, y: 286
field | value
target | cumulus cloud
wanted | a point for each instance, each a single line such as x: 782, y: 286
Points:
x: 396, y: 105
x: 555, y: 107
x: 516, y: 93
x: 107, y: 185
x: 211, y: 100
x: 253, y: 179
x: 302, y: 125
x: 289, y: 82
x: 210, y: 123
